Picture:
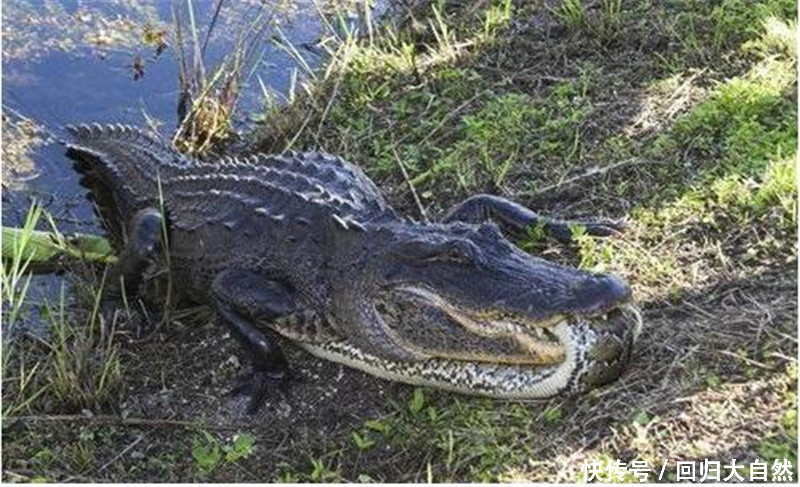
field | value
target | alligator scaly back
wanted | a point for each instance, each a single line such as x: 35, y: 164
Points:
x: 124, y: 167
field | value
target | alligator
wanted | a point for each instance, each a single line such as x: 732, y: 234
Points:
x: 304, y: 246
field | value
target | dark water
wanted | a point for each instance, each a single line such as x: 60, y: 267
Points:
x: 73, y: 62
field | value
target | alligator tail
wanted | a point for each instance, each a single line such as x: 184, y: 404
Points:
x: 121, y: 166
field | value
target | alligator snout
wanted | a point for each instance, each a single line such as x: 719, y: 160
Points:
x: 599, y: 293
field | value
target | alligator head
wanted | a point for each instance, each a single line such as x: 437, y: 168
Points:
x: 458, y: 306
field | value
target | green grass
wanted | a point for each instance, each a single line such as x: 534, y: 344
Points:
x: 571, y: 13
x: 210, y: 454
x: 14, y: 272
x: 74, y: 363
x: 493, y: 138
x: 22, y: 383
x: 85, y: 368
x: 730, y: 163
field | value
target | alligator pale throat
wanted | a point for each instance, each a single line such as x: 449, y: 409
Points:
x: 305, y: 246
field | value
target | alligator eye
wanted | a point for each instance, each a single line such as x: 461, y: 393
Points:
x: 426, y: 251
x: 459, y: 253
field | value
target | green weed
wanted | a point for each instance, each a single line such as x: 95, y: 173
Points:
x: 362, y: 441
x: 14, y: 272
x: 417, y: 401
x: 76, y: 363
x: 321, y: 472
x: 86, y: 369
x: 779, y: 38
x: 571, y: 13
x: 730, y: 164
x: 497, y: 16
x: 745, y: 123
x: 606, y: 26
x: 495, y: 138
x: 206, y: 453
x: 242, y: 447
x: 21, y: 372
x: 209, y: 453
x: 735, y: 19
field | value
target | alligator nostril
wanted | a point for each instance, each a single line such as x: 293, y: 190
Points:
x: 602, y: 292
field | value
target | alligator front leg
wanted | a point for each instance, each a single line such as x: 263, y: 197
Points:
x: 242, y: 297
x: 514, y: 218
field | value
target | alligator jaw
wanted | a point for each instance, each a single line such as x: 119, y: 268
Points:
x: 500, y: 381
x: 584, y: 366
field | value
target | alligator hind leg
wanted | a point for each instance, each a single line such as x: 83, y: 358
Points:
x: 514, y: 218
x: 242, y: 297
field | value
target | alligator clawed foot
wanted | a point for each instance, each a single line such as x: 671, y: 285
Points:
x: 258, y: 385
x: 145, y: 318
x: 604, y: 227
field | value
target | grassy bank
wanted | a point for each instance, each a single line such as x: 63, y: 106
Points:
x: 678, y: 116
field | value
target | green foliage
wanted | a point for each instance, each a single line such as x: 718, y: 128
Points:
x: 571, y: 13
x: 707, y: 31
x: 320, y: 472
x: 206, y: 453
x: 494, y: 138
x: 378, y: 426
x: 472, y: 437
x: 642, y: 418
x: 86, y: 369
x: 242, y: 447
x: 209, y: 454
x: 286, y: 475
x: 608, y: 24
x: 738, y: 200
x: 417, y: 401
x: 535, y: 238
x: 362, y: 441
x: 552, y: 415
x: 783, y: 443
x: 78, y: 364
x: 779, y: 38
x: 734, y: 20
x: 497, y: 16
x: 17, y: 257
x: 745, y: 123
x: 41, y: 247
